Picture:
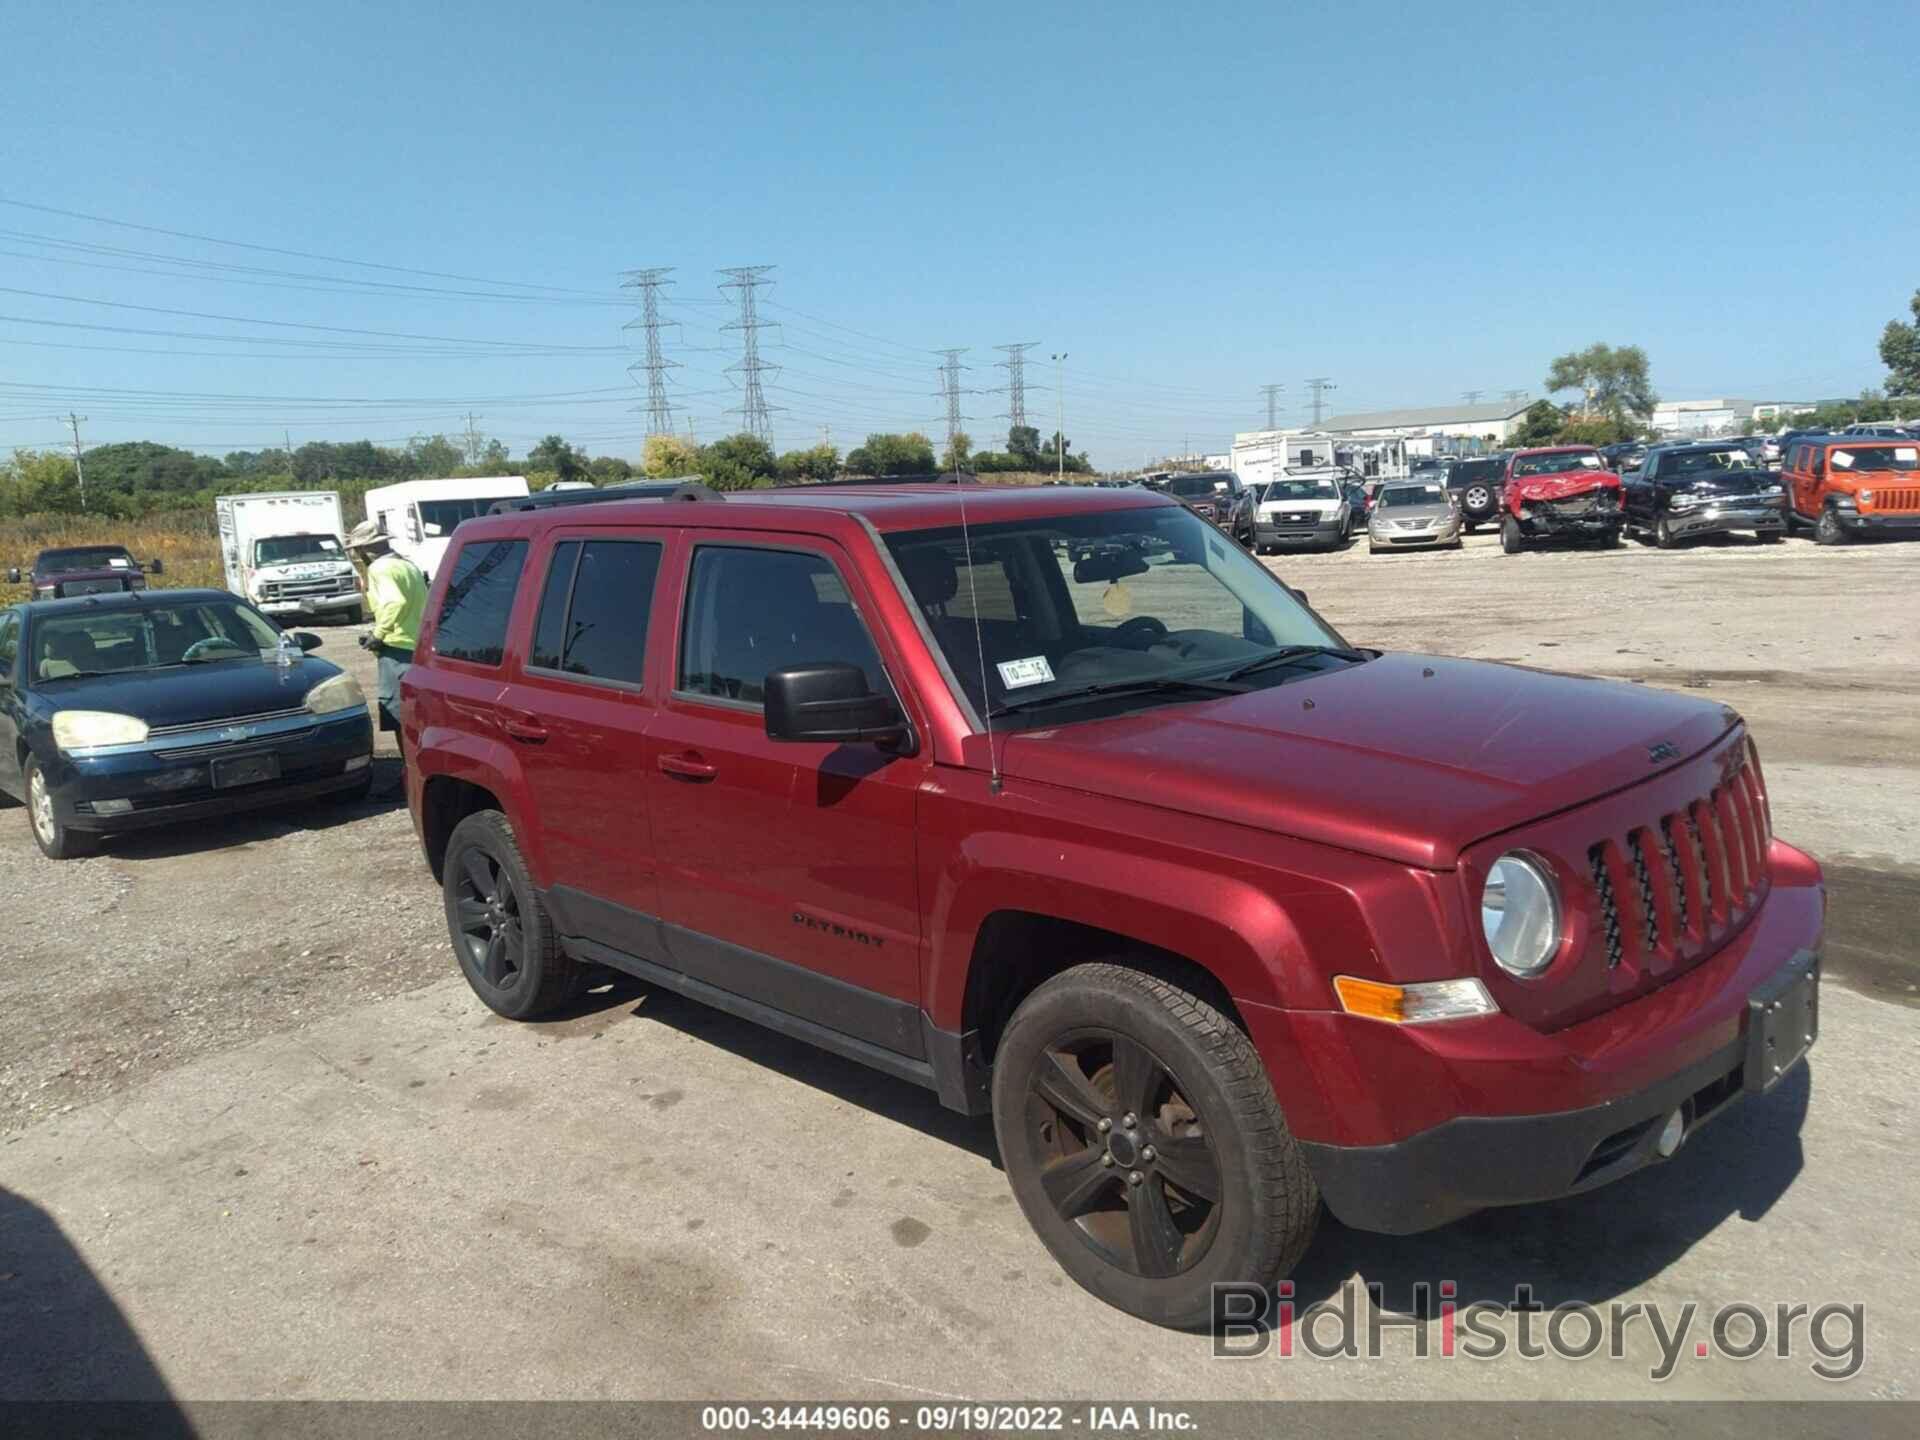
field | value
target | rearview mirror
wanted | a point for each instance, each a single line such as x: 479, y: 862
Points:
x: 306, y: 640
x: 831, y: 703
x: 156, y: 566
x: 1109, y: 563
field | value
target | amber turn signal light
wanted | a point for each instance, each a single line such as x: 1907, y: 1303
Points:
x: 1416, y: 1004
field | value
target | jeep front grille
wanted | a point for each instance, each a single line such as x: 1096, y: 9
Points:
x: 1902, y: 499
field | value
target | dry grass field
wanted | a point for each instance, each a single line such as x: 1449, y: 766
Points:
x: 186, y: 543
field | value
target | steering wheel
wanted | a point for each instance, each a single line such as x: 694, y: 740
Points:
x: 1140, y: 632
x: 212, y: 642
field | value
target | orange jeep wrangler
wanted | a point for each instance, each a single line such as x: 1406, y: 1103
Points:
x: 1848, y: 485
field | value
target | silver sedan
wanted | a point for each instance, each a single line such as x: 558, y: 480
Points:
x: 1411, y: 513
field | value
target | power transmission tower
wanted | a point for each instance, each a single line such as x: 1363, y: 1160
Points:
x: 1016, y: 367
x: 79, y: 467
x: 950, y: 369
x: 756, y: 416
x: 648, y: 283
x: 1472, y: 397
x: 472, y: 447
x: 1514, y: 397
x: 1272, y: 393
x: 1320, y: 384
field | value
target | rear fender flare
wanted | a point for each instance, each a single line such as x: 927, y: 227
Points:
x: 492, y: 765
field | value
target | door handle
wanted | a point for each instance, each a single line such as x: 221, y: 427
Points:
x: 687, y: 767
x: 524, y: 728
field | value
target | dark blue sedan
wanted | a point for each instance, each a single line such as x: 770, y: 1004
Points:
x: 119, y: 712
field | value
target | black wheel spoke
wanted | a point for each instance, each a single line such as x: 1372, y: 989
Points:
x: 480, y: 874
x: 1064, y: 1086
x: 494, y: 963
x: 1074, y: 1182
x: 473, y: 915
x: 1157, y: 1241
x: 1136, y: 1076
x: 1187, y: 1163
x: 510, y: 933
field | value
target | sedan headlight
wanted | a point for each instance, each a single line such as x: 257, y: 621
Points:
x: 85, y: 729
x: 330, y: 697
x: 1520, y: 912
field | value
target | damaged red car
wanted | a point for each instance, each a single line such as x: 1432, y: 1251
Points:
x: 1560, y: 492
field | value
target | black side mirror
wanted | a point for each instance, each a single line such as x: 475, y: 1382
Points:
x: 13, y: 575
x: 306, y: 640
x: 830, y: 702
x: 156, y: 566
x: 1299, y: 595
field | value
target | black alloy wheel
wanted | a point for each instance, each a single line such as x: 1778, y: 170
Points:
x: 490, y: 934
x: 502, y: 935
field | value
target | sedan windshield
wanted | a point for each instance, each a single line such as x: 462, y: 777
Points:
x: 146, y: 637
x: 1393, y: 496
x: 99, y: 557
x: 297, y: 549
x: 1556, y: 463
x: 1142, y: 605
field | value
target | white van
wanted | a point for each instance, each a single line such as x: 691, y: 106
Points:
x: 420, y: 515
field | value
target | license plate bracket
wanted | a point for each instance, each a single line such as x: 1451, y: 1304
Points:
x: 1783, y: 1020
x: 245, y: 770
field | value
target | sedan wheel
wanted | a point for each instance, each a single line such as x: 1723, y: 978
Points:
x: 55, y: 840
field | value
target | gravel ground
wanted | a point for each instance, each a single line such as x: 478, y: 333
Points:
x: 172, y: 946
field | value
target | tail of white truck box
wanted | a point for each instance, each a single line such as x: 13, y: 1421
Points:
x: 419, y: 516
x: 284, y: 551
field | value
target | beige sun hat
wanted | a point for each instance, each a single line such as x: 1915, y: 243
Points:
x: 366, y: 535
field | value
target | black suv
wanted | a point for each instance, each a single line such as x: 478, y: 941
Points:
x: 1476, y: 485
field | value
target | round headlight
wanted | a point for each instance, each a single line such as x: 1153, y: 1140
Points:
x: 1520, y: 912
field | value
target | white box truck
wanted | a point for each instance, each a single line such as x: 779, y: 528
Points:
x: 284, y: 552
x: 419, y: 516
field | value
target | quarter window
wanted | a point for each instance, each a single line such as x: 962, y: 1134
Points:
x: 750, y: 612
x: 595, y: 608
x: 479, y: 601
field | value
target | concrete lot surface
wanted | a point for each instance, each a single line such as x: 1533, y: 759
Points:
x: 257, y: 1140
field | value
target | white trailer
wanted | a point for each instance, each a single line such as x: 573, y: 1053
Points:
x: 419, y: 516
x: 284, y: 552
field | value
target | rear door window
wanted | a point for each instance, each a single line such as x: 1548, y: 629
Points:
x: 595, y: 609
x: 479, y: 602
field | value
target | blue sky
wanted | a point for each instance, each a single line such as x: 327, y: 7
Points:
x: 1416, y: 201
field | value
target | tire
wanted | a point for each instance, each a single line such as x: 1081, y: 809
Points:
x: 1827, y: 530
x: 55, y: 839
x: 1663, y: 535
x: 1511, y: 540
x: 491, y: 902
x: 1768, y: 537
x: 1477, y: 500
x: 1075, y: 1053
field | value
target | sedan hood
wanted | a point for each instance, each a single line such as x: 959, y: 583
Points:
x: 1562, y: 484
x: 1408, y: 757
x: 192, y: 694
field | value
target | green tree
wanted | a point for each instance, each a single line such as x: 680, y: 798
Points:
x: 749, y: 452
x: 889, y: 454
x: 434, y: 456
x: 1593, y: 432
x: 1541, y: 425
x: 959, y: 447
x: 1900, y: 352
x: 35, y: 482
x: 1049, y: 457
x: 1613, y: 382
x: 555, y: 454
x: 495, y: 457
x: 819, y: 462
x: 724, y: 474
x: 1023, y: 445
x: 609, y: 470
x: 665, y: 456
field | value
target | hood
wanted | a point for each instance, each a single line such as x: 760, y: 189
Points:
x: 1727, y: 482
x: 1408, y: 757
x: 190, y: 694
x: 1560, y: 484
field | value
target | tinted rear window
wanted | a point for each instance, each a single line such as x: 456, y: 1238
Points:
x: 479, y: 601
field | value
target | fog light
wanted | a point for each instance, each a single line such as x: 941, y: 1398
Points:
x: 1672, y: 1133
x: 358, y: 762
x: 113, y: 807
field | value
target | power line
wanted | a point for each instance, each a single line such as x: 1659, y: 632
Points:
x: 1320, y: 384
x: 753, y: 411
x: 1273, y: 405
x: 648, y: 283
x: 1514, y: 397
x: 1016, y: 367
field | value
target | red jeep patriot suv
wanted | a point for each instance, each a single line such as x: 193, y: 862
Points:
x: 1058, y: 803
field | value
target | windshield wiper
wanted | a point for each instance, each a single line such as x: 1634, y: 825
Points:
x: 1118, y: 687
x: 1288, y: 654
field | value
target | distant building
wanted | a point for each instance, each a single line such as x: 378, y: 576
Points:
x: 1462, y: 421
x: 1702, y: 417
x: 1262, y: 455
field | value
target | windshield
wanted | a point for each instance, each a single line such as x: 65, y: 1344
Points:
x: 1877, y: 457
x: 98, y: 557
x: 1189, y: 486
x: 1555, y: 463
x: 1302, y: 490
x: 296, y: 549
x: 1694, y: 462
x: 1123, y: 597
x: 146, y: 637
x: 1396, y: 496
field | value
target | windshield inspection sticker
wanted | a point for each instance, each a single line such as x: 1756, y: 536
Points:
x: 119, y: 562
x: 1907, y: 454
x: 1843, y: 459
x: 1034, y: 670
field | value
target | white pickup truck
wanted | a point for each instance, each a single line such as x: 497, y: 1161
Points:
x: 284, y: 552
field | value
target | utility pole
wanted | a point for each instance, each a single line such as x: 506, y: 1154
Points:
x: 287, y: 437
x: 1273, y: 405
x: 1016, y: 367
x: 1060, y: 414
x: 79, y: 466
x: 950, y: 369
x: 1472, y: 397
x: 1320, y: 384
x: 648, y: 283
x: 753, y: 409
x: 1514, y: 397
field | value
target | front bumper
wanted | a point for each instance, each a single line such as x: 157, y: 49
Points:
x: 1321, y: 532
x: 1414, y: 539
x: 1873, y: 523
x: 1410, y: 1127
x: 168, y: 782
x: 1552, y: 524
x: 346, y: 601
x: 1767, y: 519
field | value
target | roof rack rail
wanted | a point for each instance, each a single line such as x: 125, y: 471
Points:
x: 684, y: 487
x: 951, y: 477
